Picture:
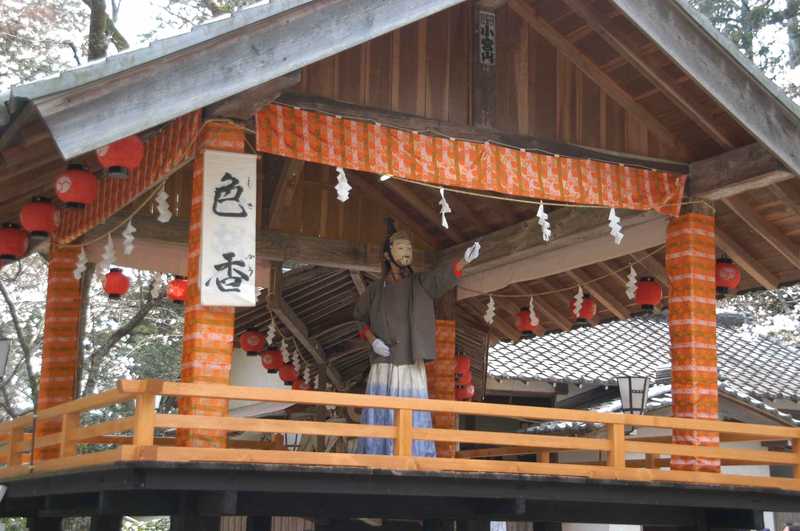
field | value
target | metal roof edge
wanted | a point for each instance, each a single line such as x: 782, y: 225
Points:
x: 157, y: 49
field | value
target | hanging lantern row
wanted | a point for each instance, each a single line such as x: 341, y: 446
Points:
x: 120, y: 158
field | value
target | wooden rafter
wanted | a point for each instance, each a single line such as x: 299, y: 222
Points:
x: 600, y: 294
x: 298, y: 329
x: 742, y: 208
x: 244, y: 105
x: 739, y: 170
x: 288, y: 181
x: 788, y: 194
x: 728, y: 245
x: 667, y: 86
x: 272, y: 245
x: 580, y: 60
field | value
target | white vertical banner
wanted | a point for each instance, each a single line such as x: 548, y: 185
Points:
x: 228, y: 234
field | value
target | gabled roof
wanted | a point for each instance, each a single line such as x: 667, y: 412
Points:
x: 757, y: 367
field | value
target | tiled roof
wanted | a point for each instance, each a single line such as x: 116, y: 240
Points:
x: 756, y: 367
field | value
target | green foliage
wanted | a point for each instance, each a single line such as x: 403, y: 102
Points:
x: 761, y: 30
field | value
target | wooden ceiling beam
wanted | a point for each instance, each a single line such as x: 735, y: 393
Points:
x: 273, y: 246
x: 600, y: 294
x: 591, y: 69
x: 281, y: 204
x: 737, y: 171
x: 788, y: 194
x: 580, y: 238
x: 668, y: 87
x: 473, y: 133
x: 786, y: 247
x: 733, y: 249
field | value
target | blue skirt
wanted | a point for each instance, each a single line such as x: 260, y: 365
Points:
x: 396, y: 380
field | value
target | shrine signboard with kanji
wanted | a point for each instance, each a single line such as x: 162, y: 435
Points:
x: 228, y: 250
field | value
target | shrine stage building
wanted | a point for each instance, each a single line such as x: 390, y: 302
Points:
x: 612, y: 157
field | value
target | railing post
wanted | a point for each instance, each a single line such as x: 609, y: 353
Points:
x: 69, y: 423
x: 144, y: 420
x: 796, y: 451
x: 404, y: 422
x: 616, y: 439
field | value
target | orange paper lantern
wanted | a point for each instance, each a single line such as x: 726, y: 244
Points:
x: 648, y: 293
x: 524, y: 324
x: 176, y: 289
x: 76, y: 187
x: 287, y: 374
x: 252, y: 342
x: 465, y: 392
x: 271, y: 360
x: 13, y: 242
x: 587, y: 313
x: 728, y: 275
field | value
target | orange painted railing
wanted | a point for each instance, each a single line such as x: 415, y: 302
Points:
x: 134, y: 438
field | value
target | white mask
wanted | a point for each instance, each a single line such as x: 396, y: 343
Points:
x: 402, y: 252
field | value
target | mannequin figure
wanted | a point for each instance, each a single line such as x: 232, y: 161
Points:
x: 397, y: 317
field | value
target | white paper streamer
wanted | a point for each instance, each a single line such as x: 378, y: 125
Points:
x: 285, y: 352
x: 80, y: 264
x: 128, y: 238
x: 162, y: 206
x: 307, y: 374
x: 155, y: 291
x: 614, y: 225
x: 108, y: 257
x: 271, y: 329
x: 578, y: 302
x: 296, y: 361
x: 630, y: 285
x: 489, y: 315
x: 342, y: 186
x: 316, y: 381
x: 532, y: 312
x: 544, y: 222
x: 445, y: 208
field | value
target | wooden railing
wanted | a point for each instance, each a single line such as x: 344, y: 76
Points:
x: 134, y: 438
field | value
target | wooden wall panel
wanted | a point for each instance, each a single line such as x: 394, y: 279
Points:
x: 424, y: 69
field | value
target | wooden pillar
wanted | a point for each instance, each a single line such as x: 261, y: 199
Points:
x: 208, y: 330
x: 441, y: 372
x: 61, y: 347
x: 690, y: 262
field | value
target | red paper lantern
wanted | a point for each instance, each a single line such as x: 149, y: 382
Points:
x: 300, y: 385
x: 116, y: 284
x: 587, y: 313
x: 524, y: 324
x: 464, y: 379
x: 463, y: 365
x: 176, y: 289
x: 13, y: 242
x: 40, y: 217
x: 287, y: 374
x: 121, y: 157
x: 728, y: 275
x: 272, y: 360
x: 76, y: 187
x: 648, y: 293
x: 252, y: 342
x: 465, y: 392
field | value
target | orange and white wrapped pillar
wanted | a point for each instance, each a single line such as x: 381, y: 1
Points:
x: 208, y: 330
x: 690, y: 262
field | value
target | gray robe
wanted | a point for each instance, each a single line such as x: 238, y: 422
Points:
x: 372, y: 309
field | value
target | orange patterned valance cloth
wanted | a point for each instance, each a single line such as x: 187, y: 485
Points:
x: 366, y: 146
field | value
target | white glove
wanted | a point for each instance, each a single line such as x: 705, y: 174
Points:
x: 380, y: 348
x: 472, y: 253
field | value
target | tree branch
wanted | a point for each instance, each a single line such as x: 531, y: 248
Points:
x: 24, y: 343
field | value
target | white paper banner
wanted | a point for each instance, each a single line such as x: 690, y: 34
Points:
x: 228, y: 250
